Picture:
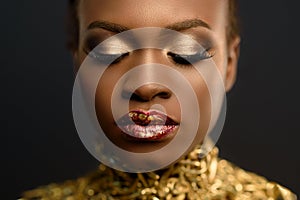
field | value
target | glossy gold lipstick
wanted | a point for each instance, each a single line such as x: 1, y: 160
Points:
x: 150, y: 125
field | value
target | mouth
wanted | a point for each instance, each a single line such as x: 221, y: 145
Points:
x: 147, y: 126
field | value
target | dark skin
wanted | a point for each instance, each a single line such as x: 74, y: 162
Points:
x: 202, y: 20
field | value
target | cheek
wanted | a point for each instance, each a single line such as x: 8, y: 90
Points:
x: 204, y: 102
x: 220, y: 58
x: 104, y: 94
x: 203, y: 96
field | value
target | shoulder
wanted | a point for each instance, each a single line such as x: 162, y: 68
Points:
x: 69, y: 190
x: 247, y: 185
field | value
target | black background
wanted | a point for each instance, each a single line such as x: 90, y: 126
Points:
x: 39, y: 143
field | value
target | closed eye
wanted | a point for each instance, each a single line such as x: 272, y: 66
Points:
x: 182, y: 59
x: 106, y: 58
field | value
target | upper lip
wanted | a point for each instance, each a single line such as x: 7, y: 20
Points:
x: 144, y: 118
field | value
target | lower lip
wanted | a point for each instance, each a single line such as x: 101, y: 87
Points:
x: 149, y: 133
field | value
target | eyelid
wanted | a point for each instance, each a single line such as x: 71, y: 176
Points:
x: 192, y: 49
x: 105, y: 58
x: 205, y: 51
x: 115, y: 46
x: 184, y: 50
x: 111, y: 50
x: 188, y: 60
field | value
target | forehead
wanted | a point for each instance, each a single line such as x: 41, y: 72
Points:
x: 153, y: 13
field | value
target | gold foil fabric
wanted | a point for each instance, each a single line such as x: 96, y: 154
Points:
x: 209, y: 178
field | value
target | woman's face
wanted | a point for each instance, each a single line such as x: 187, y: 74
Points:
x: 203, y: 20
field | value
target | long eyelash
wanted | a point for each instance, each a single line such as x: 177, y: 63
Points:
x: 115, y: 57
x: 182, y: 60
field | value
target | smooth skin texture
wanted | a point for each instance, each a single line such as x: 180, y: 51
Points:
x: 203, y: 20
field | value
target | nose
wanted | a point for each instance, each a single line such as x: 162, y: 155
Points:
x: 150, y: 90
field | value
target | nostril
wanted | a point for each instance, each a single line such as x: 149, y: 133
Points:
x: 146, y: 93
x: 164, y: 95
x: 135, y: 97
x: 132, y: 96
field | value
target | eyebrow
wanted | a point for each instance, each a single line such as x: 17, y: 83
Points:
x: 178, y: 26
x: 187, y: 24
x: 109, y: 26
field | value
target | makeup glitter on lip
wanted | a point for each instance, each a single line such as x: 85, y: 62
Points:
x: 147, y: 126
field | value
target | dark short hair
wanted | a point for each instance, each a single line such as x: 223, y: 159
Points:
x: 233, y: 29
